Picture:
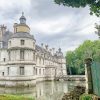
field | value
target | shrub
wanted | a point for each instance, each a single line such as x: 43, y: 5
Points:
x: 86, y: 97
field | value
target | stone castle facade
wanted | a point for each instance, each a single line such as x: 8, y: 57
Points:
x: 23, y: 62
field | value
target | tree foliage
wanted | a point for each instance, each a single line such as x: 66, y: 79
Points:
x: 98, y: 30
x: 75, y: 59
x: 93, y: 4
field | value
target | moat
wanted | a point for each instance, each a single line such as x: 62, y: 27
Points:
x: 49, y: 90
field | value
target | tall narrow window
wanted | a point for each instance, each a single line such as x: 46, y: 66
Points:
x: 43, y: 72
x: 2, y: 73
x: 43, y: 61
x: 40, y: 71
x: 9, y: 55
x: 22, y: 54
x: 22, y: 42
x: 22, y: 71
x: 40, y: 61
x: 4, y: 59
x: 8, y: 70
x: 34, y: 56
x: 36, y: 71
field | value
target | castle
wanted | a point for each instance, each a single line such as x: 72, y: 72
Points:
x: 23, y: 62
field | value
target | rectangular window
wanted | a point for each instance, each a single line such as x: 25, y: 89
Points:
x: 40, y: 71
x: 21, y: 70
x: 22, y: 42
x: 36, y: 71
x: 4, y: 59
x: 43, y: 61
x: 40, y: 61
x: 22, y: 54
x: 9, y: 55
x: 8, y: 70
x: 43, y: 72
x: 2, y: 73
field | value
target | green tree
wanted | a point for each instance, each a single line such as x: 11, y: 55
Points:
x: 94, y: 5
x: 75, y: 59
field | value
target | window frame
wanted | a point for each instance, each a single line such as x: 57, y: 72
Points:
x: 22, y: 42
x: 22, y: 70
x: 22, y: 53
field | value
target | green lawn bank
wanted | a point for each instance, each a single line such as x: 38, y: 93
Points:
x: 89, y: 97
x: 86, y: 97
x: 14, y: 97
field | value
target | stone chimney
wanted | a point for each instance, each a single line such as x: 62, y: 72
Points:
x: 50, y: 50
x: 46, y: 47
x: 42, y: 45
x: 2, y: 30
x: 53, y: 51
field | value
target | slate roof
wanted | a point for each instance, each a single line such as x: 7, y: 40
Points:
x: 40, y: 49
x: 22, y: 35
x: 8, y: 35
x: 5, y: 38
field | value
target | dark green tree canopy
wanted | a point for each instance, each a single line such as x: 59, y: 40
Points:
x: 75, y: 59
x: 93, y: 4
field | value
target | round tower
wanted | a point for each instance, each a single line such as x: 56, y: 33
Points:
x: 21, y: 52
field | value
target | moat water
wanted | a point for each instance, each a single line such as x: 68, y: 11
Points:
x: 48, y: 90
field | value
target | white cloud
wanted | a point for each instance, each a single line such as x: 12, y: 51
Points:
x: 53, y: 26
x: 51, y: 23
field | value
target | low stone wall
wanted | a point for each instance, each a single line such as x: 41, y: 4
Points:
x: 22, y: 81
x: 72, y: 78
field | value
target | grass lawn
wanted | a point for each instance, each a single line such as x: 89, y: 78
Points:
x: 14, y: 97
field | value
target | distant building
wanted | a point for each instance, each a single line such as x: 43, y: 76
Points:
x: 22, y: 62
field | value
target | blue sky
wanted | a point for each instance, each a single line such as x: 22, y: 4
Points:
x: 51, y: 24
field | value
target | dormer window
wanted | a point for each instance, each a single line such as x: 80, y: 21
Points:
x: 22, y: 42
x: 9, y: 43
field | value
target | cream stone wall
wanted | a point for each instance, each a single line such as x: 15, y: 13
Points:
x: 3, y: 55
x: 16, y: 42
x: 37, y: 65
x: 22, y: 28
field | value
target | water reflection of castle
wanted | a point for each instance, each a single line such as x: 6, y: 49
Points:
x: 49, y: 90
x: 22, y: 62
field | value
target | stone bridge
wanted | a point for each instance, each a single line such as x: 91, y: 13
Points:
x: 71, y: 78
